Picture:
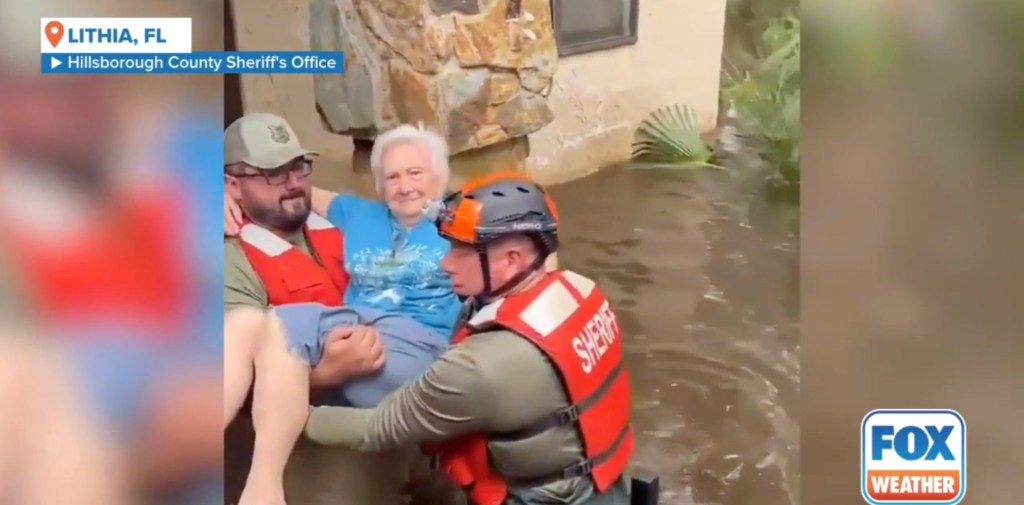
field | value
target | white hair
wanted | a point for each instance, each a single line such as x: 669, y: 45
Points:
x: 436, y: 146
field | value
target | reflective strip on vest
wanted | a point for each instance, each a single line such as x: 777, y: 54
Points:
x: 582, y: 284
x: 272, y: 245
x: 317, y: 222
x: 549, y: 310
x: 486, y: 314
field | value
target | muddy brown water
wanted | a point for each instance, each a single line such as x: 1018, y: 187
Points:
x: 705, y: 287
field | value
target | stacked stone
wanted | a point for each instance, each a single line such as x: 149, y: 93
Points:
x: 477, y: 71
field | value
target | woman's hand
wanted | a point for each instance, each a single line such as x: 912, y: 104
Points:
x: 232, y: 217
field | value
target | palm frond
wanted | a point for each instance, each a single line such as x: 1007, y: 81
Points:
x: 671, y: 136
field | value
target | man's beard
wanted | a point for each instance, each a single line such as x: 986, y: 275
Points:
x: 277, y: 217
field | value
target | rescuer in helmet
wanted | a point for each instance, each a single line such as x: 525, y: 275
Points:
x: 532, y: 400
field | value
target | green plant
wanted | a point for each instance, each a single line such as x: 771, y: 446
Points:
x: 671, y: 136
x: 758, y: 10
x: 766, y: 99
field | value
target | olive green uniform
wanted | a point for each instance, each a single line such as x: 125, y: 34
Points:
x: 490, y: 382
x: 315, y: 474
x: 242, y: 287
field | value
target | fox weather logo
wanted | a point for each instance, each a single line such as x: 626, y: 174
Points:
x: 913, y: 457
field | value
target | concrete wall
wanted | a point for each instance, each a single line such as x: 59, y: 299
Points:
x: 598, y: 98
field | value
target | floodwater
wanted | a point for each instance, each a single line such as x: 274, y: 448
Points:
x: 706, y: 289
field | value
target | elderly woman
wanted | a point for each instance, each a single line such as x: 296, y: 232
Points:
x: 396, y: 285
x: 392, y: 255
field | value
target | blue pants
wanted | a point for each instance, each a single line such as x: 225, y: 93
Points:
x: 411, y: 347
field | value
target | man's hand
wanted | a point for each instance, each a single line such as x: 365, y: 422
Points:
x: 348, y: 353
x: 232, y: 217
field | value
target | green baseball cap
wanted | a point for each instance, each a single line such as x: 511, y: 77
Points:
x: 263, y: 141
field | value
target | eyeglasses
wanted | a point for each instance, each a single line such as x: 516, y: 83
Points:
x: 278, y: 176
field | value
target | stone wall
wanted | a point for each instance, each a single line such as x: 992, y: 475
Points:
x: 597, y: 99
x: 478, y: 71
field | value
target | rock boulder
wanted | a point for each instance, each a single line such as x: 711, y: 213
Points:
x: 477, y: 71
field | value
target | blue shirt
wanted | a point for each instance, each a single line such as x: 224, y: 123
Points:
x: 392, y: 268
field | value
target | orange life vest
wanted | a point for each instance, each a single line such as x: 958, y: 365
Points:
x: 289, y: 274
x: 126, y: 265
x: 568, y: 318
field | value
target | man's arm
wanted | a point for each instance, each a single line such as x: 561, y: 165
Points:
x: 242, y: 287
x: 451, y: 399
x: 340, y: 361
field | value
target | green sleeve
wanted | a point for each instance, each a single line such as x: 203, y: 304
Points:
x: 452, y: 398
x: 242, y: 287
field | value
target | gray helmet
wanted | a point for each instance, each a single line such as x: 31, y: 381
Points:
x: 494, y: 206
x: 498, y: 205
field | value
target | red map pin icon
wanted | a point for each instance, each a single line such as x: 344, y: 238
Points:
x: 54, y: 32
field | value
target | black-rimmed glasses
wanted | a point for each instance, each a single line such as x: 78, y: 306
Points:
x: 278, y: 176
